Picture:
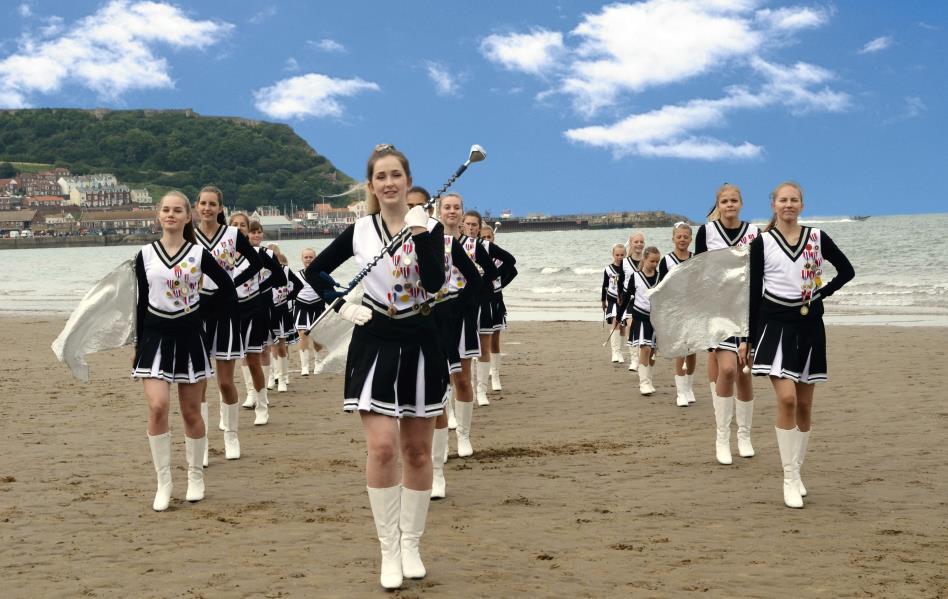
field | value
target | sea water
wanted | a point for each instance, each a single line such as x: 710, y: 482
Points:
x: 900, y: 261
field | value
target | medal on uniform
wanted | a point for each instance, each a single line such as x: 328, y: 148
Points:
x: 425, y: 309
x: 391, y: 311
x: 804, y: 310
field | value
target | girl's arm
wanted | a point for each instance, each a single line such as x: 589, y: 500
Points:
x: 141, y: 304
x: 276, y: 278
x: 429, y: 247
x: 756, y: 285
x: 483, y: 259
x: 211, y: 269
x: 605, y: 284
x: 844, y: 269
x: 662, y: 269
x: 329, y: 260
x: 297, y: 284
x: 701, y: 241
x: 254, y: 264
x: 465, y: 266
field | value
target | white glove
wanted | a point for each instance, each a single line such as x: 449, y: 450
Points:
x: 417, y: 217
x: 356, y: 314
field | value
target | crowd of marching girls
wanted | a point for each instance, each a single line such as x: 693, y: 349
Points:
x: 786, y: 342
x: 211, y: 294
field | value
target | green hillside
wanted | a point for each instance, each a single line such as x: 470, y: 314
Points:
x: 253, y: 162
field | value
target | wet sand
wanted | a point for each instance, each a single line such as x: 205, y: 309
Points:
x: 579, y: 486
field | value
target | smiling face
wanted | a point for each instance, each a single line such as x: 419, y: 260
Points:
x: 787, y: 204
x: 255, y: 237
x: 208, y: 207
x: 307, y: 257
x: 472, y: 226
x: 729, y: 204
x: 241, y: 222
x: 389, y: 182
x: 450, y: 211
x: 173, y: 213
x: 681, y: 237
x: 637, y: 243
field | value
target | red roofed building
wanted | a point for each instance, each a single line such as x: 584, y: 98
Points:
x: 36, y: 201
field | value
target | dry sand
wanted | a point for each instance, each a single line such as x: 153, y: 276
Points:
x: 579, y: 487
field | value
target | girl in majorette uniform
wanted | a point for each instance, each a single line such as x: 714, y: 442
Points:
x: 307, y: 307
x: 786, y: 320
x: 170, y: 344
x: 222, y: 326
x: 612, y: 292
x: 637, y: 304
x: 633, y: 258
x: 396, y: 370
x: 489, y: 320
x: 282, y: 328
x: 684, y: 367
x: 451, y: 212
x: 461, y: 284
x: 507, y: 273
x: 255, y: 323
x: 726, y: 229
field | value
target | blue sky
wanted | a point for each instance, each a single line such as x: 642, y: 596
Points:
x: 582, y: 106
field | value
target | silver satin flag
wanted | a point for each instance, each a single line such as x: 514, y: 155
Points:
x: 104, y: 319
x: 334, y: 333
x: 702, y: 301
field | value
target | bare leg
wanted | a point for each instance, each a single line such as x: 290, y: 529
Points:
x: 225, y: 380
x: 381, y: 439
x: 804, y: 405
x: 158, y: 396
x: 189, y: 399
x: 415, y: 440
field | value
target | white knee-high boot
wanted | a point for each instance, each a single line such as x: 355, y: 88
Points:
x: 645, y: 380
x: 386, y: 511
x: 803, y: 439
x: 262, y: 409
x: 414, y: 513
x: 161, y: 456
x: 439, y: 446
x: 449, y: 409
x: 615, y: 342
x: 483, y: 374
x: 744, y: 411
x: 681, y: 389
x: 194, y: 449
x: 270, y: 370
x: 282, y: 374
x: 787, y: 443
x: 220, y: 402
x: 464, y: 411
x: 495, y: 372
x: 633, y: 358
x: 251, y: 400
x: 231, y: 424
x: 304, y: 362
x: 690, y: 388
x: 723, y: 412
x: 204, y: 416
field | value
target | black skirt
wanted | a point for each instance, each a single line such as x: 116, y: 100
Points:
x: 304, y: 315
x: 489, y: 320
x: 222, y: 329
x: 612, y: 307
x: 173, y: 350
x: 255, y: 326
x: 281, y: 321
x: 466, y: 333
x: 789, y: 345
x: 500, y: 312
x: 396, y: 367
x: 642, y: 333
x: 444, y: 315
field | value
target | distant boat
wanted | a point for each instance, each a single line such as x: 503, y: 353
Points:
x: 860, y: 218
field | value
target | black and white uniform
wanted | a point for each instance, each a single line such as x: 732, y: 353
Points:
x: 255, y: 300
x: 307, y: 306
x: 170, y: 343
x: 612, y: 289
x: 639, y: 306
x: 493, y: 315
x: 715, y: 236
x: 783, y: 278
x: 470, y: 342
x: 281, y: 317
x: 396, y: 364
x: 668, y: 263
x: 223, y: 326
x: 457, y: 297
x: 629, y: 266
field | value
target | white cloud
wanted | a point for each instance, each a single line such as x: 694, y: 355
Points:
x: 328, y: 45
x: 445, y: 83
x: 877, y: 45
x: 633, y: 47
x: 109, y: 52
x: 53, y: 26
x: 310, y: 95
x: 793, y: 17
x: 673, y: 130
x: 291, y: 65
x: 534, y: 53
x: 263, y: 15
x: 25, y: 9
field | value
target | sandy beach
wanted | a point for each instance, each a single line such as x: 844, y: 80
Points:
x: 579, y: 486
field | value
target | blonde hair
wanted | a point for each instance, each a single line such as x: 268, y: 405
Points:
x: 628, y: 245
x: 773, y: 196
x: 715, y: 214
x: 681, y: 225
